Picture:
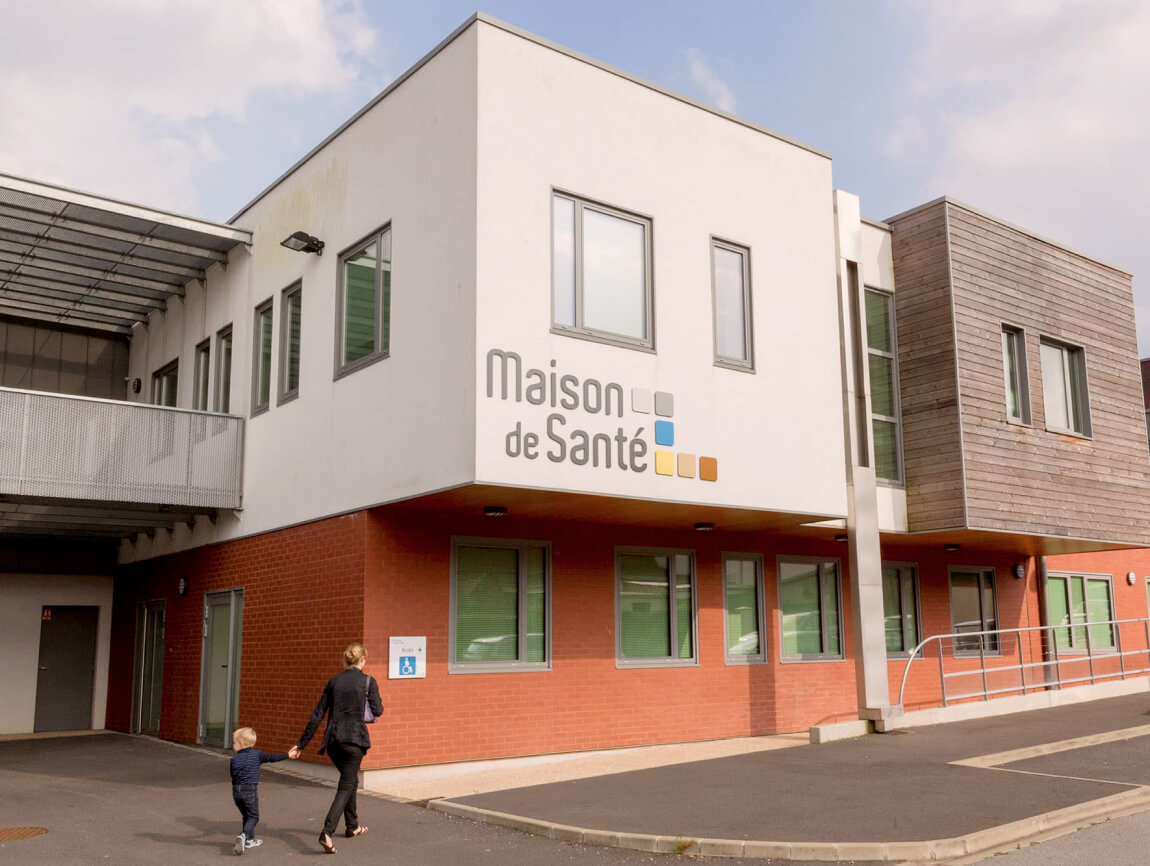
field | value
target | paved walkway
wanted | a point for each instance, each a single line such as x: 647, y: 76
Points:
x: 932, y: 793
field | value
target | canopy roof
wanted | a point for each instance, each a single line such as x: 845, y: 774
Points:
x: 92, y: 262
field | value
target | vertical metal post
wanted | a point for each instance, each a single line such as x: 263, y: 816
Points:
x: 1057, y: 664
x: 982, y: 664
x: 942, y: 674
x: 1021, y: 664
x: 24, y: 439
x: 1089, y: 651
x: 1116, y: 627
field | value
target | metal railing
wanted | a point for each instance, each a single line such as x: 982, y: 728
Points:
x: 986, y: 664
x: 62, y: 447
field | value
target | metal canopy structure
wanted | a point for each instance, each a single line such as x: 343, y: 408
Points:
x: 91, y: 262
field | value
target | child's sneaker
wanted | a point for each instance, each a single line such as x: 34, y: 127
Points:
x: 241, y: 843
x: 253, y: 843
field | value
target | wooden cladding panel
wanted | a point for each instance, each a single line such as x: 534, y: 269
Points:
x: 928, y: 384
x: 1026, y: 478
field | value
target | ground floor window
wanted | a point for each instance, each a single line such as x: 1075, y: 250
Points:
x: 655, y: 603
x: 1076, y: 601
x: 500, y: 605
x: 973, y: 608
x: 809, y: 608
x: 900, y: 608
x: 743, y: 603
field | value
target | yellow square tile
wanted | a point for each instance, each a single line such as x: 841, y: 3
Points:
x: 686, y: 465
x: 664, y: 463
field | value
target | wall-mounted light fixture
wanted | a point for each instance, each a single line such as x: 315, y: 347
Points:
x: 302, y: 242
x: 704, y: 527
x: 1131, y: 578
x: 950, y: 548
x: 494, y: 510
x: 842, y: 536
x: 1019, y: 570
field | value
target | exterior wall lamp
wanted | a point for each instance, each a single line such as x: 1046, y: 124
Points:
x: 494, y: 511
x: 1019, y: 570
x: 704, y: 527
x: 950, y: 548
x: 1131, y: 578
x: 302, y: 242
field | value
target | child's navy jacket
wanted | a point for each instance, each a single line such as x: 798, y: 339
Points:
x: 246, y: 765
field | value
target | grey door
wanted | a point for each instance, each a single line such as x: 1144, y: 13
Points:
x: 219, y: 698
x: 67, y: 673
x: 149, y: 681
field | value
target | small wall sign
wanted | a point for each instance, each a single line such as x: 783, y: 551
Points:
x: 407, y: 658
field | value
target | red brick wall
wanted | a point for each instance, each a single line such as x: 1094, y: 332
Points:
x: 303, y: 602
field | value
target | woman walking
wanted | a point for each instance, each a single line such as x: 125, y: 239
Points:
x: 345, y: 738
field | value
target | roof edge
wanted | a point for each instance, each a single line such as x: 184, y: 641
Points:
x: 951, y: 202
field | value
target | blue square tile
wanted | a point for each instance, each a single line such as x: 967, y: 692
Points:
x: 664, y: 433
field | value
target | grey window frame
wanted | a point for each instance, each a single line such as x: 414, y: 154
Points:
x: 1014, y: 340
x: 806, y: 658
x: 913, y: 568
x: 1086, y: 576
x: 672, y: 611
x: 223, y: 396
x: 892, y: 355
x: 746, y: 365
x: 1073, y: 375
x: 158, y: 377
x: 284, y: 394
x: 983, y: 571
x: 578, y: 329
x: 379, y: 352
x: 201, y: 375
x: 268, y: 306
x: 485, y: 667
x: 760, y: 609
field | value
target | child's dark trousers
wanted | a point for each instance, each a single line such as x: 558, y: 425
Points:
x: 247, y: 800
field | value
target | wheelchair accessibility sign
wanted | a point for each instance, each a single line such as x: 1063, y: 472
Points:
x: 407, y: 658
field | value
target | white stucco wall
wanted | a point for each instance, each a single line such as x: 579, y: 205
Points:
x: 24, y: 595
x: 548, y: 120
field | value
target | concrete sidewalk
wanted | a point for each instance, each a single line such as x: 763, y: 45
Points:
x: 947, y: 794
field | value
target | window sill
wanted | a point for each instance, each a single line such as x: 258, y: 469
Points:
x: 806, y: 660
x: 736, y: 366
x: 287, y: 398
x: 1018, y: 422
x: 638, y: 664
x: 359, y: 364
x: 508, y: 668
x: 260, y: 410
x: 606, y: 339
x: 743, y: 661
x: 1073, y: 434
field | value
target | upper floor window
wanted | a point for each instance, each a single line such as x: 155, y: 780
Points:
x: 500, y: 597
x: 1014, y: 372
x: 656, y: 607
x: 809, y: 607
x: 883, y: 367
x: 1064, y: 394
x: 601, y: 277
x: 364, y: 302
x: 164, y: 383
x: 974, y: 608
x: 731, y: 276
x: 291, y: 311
x: 224, y: 370
x: 262, y: 361
x: 200, y: 376
x: 743, y: 601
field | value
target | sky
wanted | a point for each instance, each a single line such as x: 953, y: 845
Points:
x: 1034, y: 111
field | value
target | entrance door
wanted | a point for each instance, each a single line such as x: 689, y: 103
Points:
x: 67, y: 673
x: 149, y: 668
x: 223, y: 616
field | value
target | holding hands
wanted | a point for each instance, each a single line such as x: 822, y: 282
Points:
x: 294, y: 752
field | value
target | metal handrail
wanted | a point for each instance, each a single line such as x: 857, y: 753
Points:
x: 1051, y: 658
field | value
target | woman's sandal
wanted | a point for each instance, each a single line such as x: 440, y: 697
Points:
x: 358, y: 831
x: 326, y: 843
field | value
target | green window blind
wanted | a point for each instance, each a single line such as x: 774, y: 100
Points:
x: 741, y: 577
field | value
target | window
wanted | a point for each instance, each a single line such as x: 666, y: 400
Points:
x: 883, y: 367
x: 731, y: 282
x: 262, y: 360
x: 1076, y: 601
x: 291, y: 311
x: 809, y: 607
x: 900, y: 608
x: 500, y: 605
x: 365, y: 303
x: 973, y: 608
x: 601, y: 272
x: 1064, y: 388
x: 743, y: 602
x: 164, y: 383
x: 1014, y: 372
x: 200, y: 376
x: 656, y: 607
x: 224, y: 370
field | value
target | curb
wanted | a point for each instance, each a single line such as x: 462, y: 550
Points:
x: 987, y: 841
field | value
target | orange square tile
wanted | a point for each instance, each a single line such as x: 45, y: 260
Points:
x: 686, y: 465
x: 708, y: 469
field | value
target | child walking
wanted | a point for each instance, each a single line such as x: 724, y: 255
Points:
x: 245, y: 768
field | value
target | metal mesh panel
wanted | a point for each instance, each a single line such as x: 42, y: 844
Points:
x: 75, y: 448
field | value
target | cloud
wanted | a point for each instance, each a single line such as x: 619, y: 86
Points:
x: 715, y: 90
x: 119, y: 96
x: 1035, y: 111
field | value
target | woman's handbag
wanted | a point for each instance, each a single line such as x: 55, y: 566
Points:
x: 368, y: 715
